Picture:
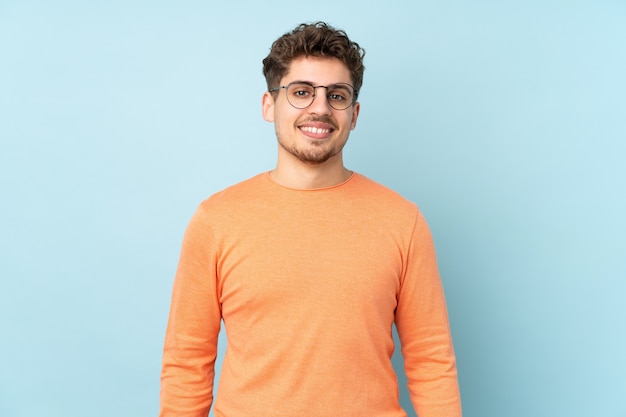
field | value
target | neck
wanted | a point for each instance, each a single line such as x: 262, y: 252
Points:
x: 308, y: 176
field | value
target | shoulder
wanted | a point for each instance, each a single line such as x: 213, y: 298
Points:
x: 243, y: 190
x: 381, y: 195
x: 227, y: 202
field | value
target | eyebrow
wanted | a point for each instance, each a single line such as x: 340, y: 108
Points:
x: 315, y: 84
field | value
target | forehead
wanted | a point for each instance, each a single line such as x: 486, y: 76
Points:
x: 317, y: 70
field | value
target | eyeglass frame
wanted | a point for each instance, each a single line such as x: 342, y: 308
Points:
x: 355, y: 93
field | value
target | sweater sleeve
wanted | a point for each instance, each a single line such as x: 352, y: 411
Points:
x: 193, y: 327
x: 424, y: 331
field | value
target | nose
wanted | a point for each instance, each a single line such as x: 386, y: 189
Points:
x: 320, y: 103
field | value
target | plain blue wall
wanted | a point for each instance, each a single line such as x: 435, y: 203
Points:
x: 505, y: 122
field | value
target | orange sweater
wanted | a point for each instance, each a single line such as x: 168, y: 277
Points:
x: 308, y: 284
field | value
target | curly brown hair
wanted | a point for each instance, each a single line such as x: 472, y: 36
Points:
x: 317, y: 40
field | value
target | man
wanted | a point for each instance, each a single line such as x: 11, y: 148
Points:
x: 308, y: 265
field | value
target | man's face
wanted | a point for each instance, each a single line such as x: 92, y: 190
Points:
x: 317, y: 133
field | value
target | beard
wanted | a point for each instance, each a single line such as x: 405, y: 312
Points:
x: 316, y: 154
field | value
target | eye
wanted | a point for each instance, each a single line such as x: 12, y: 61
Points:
x: 301, y: 90
x: 336, y: 97
x: 339, y: 94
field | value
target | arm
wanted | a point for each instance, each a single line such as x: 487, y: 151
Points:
x: 193, y: 327
x: 422, y: 323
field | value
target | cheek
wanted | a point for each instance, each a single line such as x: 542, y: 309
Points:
x: 352, y: 121
x: 280, y: 121
x: 355, y: 115
x: 283, y: 127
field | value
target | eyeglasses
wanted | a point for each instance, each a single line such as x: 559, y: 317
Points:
x: 301, y: 94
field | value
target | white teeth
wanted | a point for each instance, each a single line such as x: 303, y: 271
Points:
x: 315, y: 130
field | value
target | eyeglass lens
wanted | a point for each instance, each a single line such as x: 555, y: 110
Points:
x: 339, y: 96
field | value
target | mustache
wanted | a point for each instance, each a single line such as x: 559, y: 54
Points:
x: 319, y: 119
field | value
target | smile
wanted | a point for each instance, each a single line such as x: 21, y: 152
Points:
x: 315, y: 130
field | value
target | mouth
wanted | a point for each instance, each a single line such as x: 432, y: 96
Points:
x: 316, y: 130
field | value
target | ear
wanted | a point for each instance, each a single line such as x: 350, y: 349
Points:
x: 268, y: 107
x: 355, y: 114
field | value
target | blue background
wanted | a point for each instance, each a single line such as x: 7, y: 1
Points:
x: 505, y: 121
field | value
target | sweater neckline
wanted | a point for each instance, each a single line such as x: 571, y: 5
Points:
x: 351, y: 178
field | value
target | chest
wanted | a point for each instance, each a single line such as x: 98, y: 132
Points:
x: 312, y: 266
